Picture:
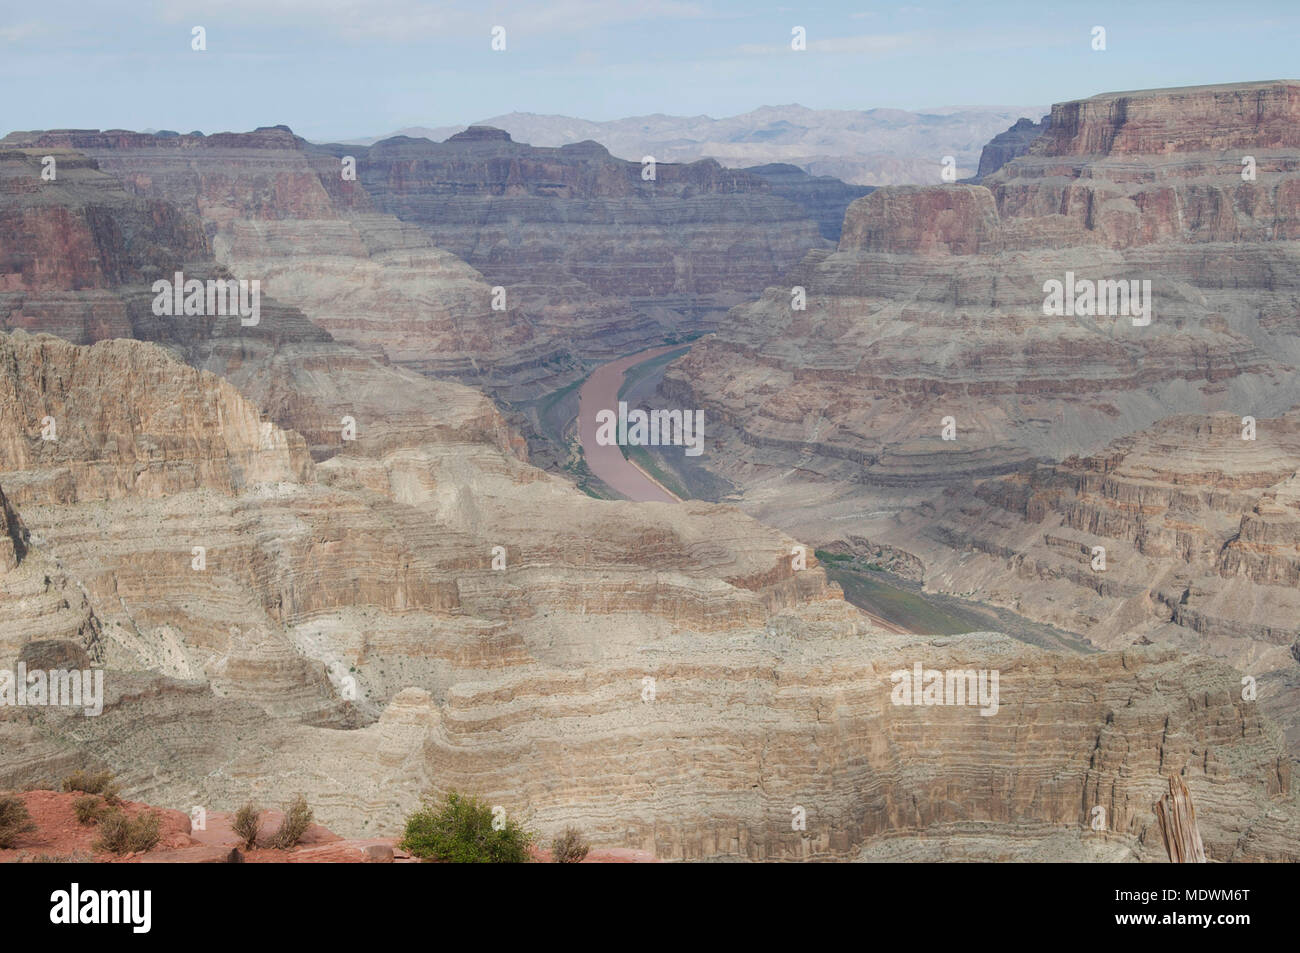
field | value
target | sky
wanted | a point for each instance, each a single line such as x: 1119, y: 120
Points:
x: 341, y: 69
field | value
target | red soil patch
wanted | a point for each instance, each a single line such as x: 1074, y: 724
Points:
x: 59, y: 835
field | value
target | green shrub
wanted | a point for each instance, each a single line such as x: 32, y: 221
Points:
x: 98, y: 782
x: 126, y: 835
x: 297, y: 818
x: 88, y: 808
x: 570, y: 847
x: 459, y: 831
x: 14, y: 819
x: 248, y: 824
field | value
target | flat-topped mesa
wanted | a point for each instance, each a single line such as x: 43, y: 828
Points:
x: 266, y: 174
x: 1202, y: 164
x: 485, y: 161
x: 1233, y: 116
x: 479, y: 134
x: 923, y: 220
x: 264, y: 137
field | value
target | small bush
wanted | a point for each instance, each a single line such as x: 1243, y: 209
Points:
x: 14, y: 819
x: 570, y: 847
x: 248, y: 824
x: 88, y: 808
x: 297, y: 818
x: 459, y: 831
x: 98, y: 782
x: 126, y: 835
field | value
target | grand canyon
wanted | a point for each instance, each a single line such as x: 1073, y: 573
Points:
x: 807, y: 485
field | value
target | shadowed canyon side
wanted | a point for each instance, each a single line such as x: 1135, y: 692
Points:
x: 603, y: 253
x: 592, y: 259
x: 931, y: 320
x: 275, y: 211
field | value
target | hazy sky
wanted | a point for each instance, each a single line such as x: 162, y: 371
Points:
x: 345, y: 68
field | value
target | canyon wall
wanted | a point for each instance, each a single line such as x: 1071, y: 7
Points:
x: 1066, y: 429
x: 278, y: 608
x: 661, y: 675
x: 593, y: 249
x: 401, y: 260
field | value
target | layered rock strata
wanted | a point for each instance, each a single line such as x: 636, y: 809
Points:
x: 661, y: 675
x: 1069, y: 430
x: 276, y: 212
x: 279, y: 609
x: 935, y: 303
x: 605, y: 253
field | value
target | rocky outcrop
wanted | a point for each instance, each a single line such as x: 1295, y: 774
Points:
x: 204, y: 436
x: 1009, y: 145
x: 1229, y: 117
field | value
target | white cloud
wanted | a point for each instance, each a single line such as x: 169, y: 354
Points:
x: 864, y: 43
x: 413, y: 19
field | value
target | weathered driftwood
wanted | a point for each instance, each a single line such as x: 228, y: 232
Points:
x: 1178, y: 824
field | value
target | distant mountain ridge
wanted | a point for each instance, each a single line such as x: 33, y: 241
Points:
x: 860, y: 147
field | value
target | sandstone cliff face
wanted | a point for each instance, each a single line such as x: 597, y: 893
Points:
x: 917, y: 220
x: 205, y: 436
